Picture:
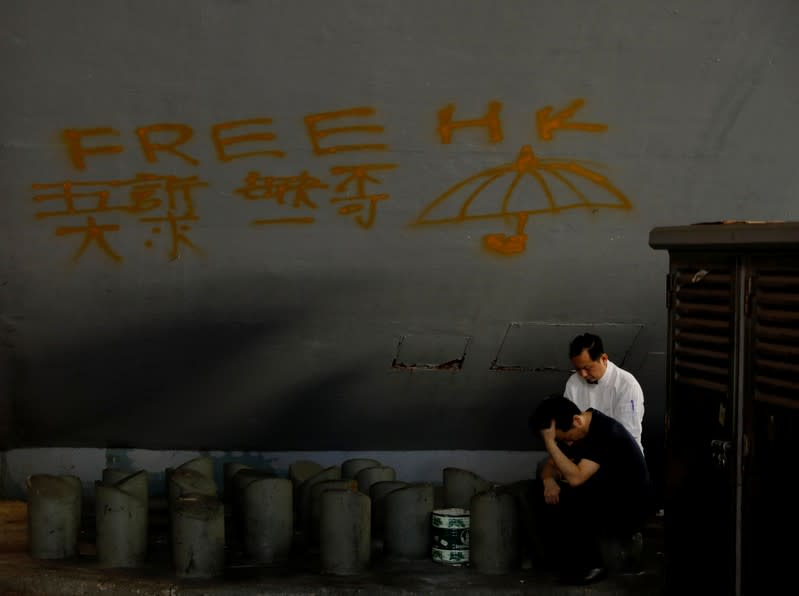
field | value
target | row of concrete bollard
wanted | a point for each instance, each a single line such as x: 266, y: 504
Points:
x: 341, y: 510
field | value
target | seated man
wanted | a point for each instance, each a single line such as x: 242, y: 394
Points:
x: 600, y: 489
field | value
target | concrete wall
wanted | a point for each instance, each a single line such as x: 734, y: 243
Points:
x: 318, y: 226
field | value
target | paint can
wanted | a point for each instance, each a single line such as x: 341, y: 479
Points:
x: 451, y: 532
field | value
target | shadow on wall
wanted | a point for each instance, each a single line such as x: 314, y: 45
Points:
x: 177, y: 384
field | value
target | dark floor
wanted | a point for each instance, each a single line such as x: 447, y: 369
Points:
x: 22, y: 575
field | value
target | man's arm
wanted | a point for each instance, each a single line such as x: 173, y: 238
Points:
x: 574, y: 474
x: 629, y: 410
x: 549, y: 471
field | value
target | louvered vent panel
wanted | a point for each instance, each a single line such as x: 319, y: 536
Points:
x: 703, y: 329
x: 775, y: 315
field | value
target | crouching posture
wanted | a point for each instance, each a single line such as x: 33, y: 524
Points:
x: 594, y: 485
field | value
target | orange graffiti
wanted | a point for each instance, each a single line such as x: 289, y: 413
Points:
x: 221, y: 143
x: 184, y: 133
x: 519, y: 189
x: 258, y: 187
x: 316, y: 135
x: 92, y: 233
x: 144, y: 194
x: 490, y: 120
x: 73, y: 140
x: 176, y: 228
x: 359, y: 177
x: 548, y: 122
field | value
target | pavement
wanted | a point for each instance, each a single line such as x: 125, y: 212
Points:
x: 20, y: 574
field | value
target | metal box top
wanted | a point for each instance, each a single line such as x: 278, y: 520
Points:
x: 727, y: 235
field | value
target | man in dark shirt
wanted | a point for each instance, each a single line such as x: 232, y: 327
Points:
x: 594, y: 484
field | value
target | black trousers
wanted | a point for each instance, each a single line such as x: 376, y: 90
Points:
x: 568, y: 533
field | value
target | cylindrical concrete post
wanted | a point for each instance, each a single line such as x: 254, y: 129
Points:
x: 407, y: 531
x: 203, y: 465
x: 185, y: 481
x: 198, y: 537
x: 114, y: 475
x: 229, y: 471
x: 351, y: 467
x: 316, y: 504
x: 54, y: 515
x: 494, y: 546
x: 301, y: 470
x: 241, y: 480
x: 368, y: 476
x: 345, y: 544
x: 121, y: 521
x: 269, y: 522
x: 378, y: 492
x: 460, y: 486
x: 303, y: 496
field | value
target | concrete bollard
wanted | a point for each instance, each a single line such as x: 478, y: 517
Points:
x: 407, y: 531
x: 303, y: 496
x: 121, y: 519
x: 269, y: 519
x: 241, y: 480
x: 368, y: 476
x: 198, y: 537
x: 229, y: 470
x: 54, y: 515
x: 344, y: 539
x: 494, y: 547
x: 460, y: 486
x: 203, y: 465
x: 351, y: 467
x: 301, y: 470
x: 185, y: 481
x: 114, y: 475
x: 378, y: 492
x: 316, y: 504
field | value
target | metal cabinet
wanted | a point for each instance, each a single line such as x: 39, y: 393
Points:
x: 732, y: 411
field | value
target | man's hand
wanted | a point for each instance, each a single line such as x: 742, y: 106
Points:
x: 548, y: 434
x: 551, y: 491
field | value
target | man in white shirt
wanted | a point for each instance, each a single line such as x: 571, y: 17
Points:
x: 598, y: 383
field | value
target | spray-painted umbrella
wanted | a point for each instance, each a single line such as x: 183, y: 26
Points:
x: 527, y: 186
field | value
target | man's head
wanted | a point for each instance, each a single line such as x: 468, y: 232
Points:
x: 569, y: 423
x: 588, y: 357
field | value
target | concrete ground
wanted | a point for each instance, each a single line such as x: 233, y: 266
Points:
x: 22, y: 575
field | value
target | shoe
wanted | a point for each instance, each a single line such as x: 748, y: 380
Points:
x: 584, y: 578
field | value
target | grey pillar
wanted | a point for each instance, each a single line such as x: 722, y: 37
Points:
x: 303, y: 496
x: 351, y: 467
x: 198, y: 537
x: 378, y: 492
x: 269, y: 519
x: 368, y: 476
x: 229, y: 470
x: 121, y: 521
x: 114, y: 475
x: 54, y: 515
x: 407, y: 526
x: 240, y: 481
x: 460, y: 486
x: 316, y: 504
x: 203, y: 465
x: 495, y: 537
x: 345, y: 544
x: 301, y: 470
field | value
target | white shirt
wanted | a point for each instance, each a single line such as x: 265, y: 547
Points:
x: 617, y: 394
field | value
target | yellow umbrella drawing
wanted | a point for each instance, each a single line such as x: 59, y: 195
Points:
x: 527, y: 186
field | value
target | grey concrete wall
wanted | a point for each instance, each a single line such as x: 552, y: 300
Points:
x: 514, y: 156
